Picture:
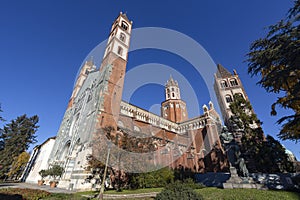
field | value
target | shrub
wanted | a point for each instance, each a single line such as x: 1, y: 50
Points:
x: 190, y: 183
x: 43, y: 173
x: 159, y: 178
x: 178, y: 190
x: 55, y: 171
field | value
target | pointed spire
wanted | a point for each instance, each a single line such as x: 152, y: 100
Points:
x: 90, y: 61
x: 223, y: 72
x: 171, y: 82
x: 124, y: 16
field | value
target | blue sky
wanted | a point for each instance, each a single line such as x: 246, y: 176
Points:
x: 43, y: 43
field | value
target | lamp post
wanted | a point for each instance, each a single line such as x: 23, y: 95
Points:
x: 104, y: 174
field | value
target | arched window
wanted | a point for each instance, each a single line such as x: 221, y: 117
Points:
x: 135, y: 128
x: 223, y: 84
x: 120, y: 51
x: 233, y: 82
x: 122, y: 37
x: 228, y: 98
x: 240, y: 94
x: 124, y: 25
x: 121, y: 124
x: 65, y: 150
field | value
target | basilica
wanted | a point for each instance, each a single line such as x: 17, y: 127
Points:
x: 98, y: 123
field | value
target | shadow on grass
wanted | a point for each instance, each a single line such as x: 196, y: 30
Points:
x: 11, y: 196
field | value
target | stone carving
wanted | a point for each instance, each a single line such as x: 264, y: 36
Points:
x: 233, y: 152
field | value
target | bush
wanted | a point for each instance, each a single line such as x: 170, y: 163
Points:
x: 178, y: 190
x: 55, y: 171
x: 154, y: 179
x: 190, y: 183
x: 43, y: 173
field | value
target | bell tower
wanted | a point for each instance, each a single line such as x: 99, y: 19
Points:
x: 226, y: 85
x: 113, y: 67
x: 173, y: 108
x: 84, y: 71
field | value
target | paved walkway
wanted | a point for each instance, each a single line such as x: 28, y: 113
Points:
x: 35, y: 186
x: 60, y: 190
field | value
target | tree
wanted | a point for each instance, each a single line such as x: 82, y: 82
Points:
x: 1, y: 140
x: 1, y: 118
x: 55, y: 171
x: 254, y: 145
x: 16, y: 137
x: 276, y: 59
x: 43, y: 173
x: 243, y: 119
x: 18, y: 165
x: 276, y: 160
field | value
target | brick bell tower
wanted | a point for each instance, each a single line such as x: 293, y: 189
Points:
x: 173, y: 108
x: 113, y: 67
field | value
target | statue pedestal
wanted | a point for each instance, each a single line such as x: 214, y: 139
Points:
x: 237, y: 182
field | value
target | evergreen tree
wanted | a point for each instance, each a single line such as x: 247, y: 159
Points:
x: 18, y: 165
x: 244, y: 119
x: 1, y: 131
x: 16, y: 137
x: 273, y: 158
x: 1, y: 118
x: 261, y: 154
x: 276, y: 58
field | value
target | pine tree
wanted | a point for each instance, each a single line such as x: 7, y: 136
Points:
x: 276, y: 59
x: 18, y: 165
x: 261, y: 154
x: 16, y: 137
x: 244, y: 119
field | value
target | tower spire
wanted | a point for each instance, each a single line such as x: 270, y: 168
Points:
x: 173, y: 108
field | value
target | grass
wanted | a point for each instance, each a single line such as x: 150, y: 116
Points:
x: 18, y: 193
x: 137, y: 191
x: 249, y: 194
x: 207, y: 193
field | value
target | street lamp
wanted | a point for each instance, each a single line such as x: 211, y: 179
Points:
x: 105, y: 171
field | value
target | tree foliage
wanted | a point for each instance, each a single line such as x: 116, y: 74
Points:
x: 159, y: 178
x: 272, y: 157
x: 16, y: 137
x: 1, y: 118
x: 43, y: 173
x: 55, y: 171
x: 243, y: 115
x: 1, y: 130
x: 261, y: 154
x: 18, y: 165
x: 276, y: 58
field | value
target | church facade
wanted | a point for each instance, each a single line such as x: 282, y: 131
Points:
x: 98, y: 122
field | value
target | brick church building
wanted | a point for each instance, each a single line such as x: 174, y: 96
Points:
x: 97, y: 119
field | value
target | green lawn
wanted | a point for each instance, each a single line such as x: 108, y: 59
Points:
x: 249, y: 194
x: 207, y: 193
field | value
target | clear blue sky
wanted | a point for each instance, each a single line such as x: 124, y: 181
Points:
x: 43, y: 43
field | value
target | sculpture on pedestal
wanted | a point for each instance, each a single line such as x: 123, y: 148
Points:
x: 233, y: 152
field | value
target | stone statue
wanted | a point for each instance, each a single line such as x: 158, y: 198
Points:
x: 233, y: 152
x: 226, y: 136
x: 242, y: 165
